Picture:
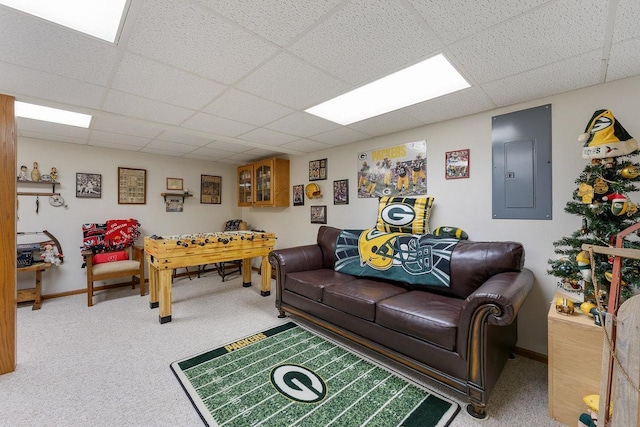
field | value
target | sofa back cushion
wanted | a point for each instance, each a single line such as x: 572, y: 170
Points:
x: 473, y: 263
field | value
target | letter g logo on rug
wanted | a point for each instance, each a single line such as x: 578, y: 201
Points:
x: 398, y: 214
x: 298, y: 383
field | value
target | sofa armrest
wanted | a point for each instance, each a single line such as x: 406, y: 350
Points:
x: 300, y: 258
x: 505, y: 292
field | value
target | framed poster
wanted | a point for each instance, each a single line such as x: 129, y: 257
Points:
x: 210, y: 189
x: 341, y: 192
x: 456, y: 164
x: 132, y: 186
x: 298, y: 195
x: 319, y: 214
x: 318, y: 170
x: 88, y: 185
x: 174, y: 184
x: 399, y: 170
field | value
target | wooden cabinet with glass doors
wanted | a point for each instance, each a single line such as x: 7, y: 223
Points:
x: 264, y: 183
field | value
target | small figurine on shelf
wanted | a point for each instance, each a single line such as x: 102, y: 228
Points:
x: 51, y: 255
x: 54, y: 174
x: 35, y: 173
x: 23, y: 174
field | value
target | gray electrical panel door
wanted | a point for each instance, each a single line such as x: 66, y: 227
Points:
x: 521, y: 148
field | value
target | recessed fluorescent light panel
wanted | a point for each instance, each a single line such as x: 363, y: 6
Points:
x: 54, y: 115
x: 98, y: 18
x: 418, y: 83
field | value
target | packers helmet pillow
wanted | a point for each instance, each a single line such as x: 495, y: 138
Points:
x: 404, y: 214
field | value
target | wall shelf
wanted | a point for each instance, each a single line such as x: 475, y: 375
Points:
x: 32, y: 183
x: 183, y: 195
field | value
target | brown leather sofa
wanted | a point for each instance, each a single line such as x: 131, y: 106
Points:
x: 460, y: 336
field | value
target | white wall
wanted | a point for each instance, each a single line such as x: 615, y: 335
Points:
x: 466, y: 203
x: 66, y: 224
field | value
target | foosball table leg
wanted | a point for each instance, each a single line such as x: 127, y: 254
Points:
x: 265, y: 273
x: 246, y: 272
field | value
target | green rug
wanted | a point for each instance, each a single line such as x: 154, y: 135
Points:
x: 289, y: 376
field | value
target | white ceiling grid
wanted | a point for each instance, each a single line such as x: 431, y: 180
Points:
x: 229, y: 80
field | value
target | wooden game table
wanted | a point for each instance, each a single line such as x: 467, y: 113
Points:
x: 166, y: 253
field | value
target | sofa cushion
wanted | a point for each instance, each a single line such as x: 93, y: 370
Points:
x: 359, y: 297
x: 311, y: 283
x: 423, y: 315
x: 404, y: 214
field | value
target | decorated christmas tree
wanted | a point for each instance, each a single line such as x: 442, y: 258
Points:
x: 602, y: 199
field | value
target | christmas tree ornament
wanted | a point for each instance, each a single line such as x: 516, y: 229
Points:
x: 619, y: 205
x: 584, y: 265
x: 586, y: 192
x: 630, y: 172
x: 605, y: 137
x: 609, y: 276
x: 585, y: 226
x: 632, y: 209
x: 600, y: 186
x: 564, y: 306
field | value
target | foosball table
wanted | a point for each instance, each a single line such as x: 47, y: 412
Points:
x: 166, y: 253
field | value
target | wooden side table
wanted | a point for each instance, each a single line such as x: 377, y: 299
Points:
x: 575, y: 362
x: 33, y: 294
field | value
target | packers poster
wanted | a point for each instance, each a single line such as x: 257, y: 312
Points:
x: 400, y: 170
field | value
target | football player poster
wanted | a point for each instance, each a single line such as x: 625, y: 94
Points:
x: 399, y: 170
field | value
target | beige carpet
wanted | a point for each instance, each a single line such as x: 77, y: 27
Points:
x: 108, y: 365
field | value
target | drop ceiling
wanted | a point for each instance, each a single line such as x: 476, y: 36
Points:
x: 229, y: 81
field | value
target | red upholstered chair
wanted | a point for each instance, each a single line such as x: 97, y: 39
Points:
x: 110, y: 253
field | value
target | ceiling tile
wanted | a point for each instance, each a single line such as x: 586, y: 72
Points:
x: 276, y: 20
x: 267, y: 137
x: 31, y: 125
x: 228, y: 146
x: 209, y: 154
x: 98, y: 135
x: 45, y: 46
x: 574, y: 73
x: 341, y: 136
x: 627, y: 14
x: 155, y: 111
x: 306, y: 145
x: 302, y: 124
x: 169, y: 146
x: 161, y: 152
x: 183, y: 138
x: 124, y: 125
x: 21, y: 81
x: 366, y: 40
x: 53, y: 137
x: 113, y: 145
x: 261, y: 153
x: 518, y: 45
x: 150, y: 79
x: 464, y: 102
x: 386, y: 123
x: 189, y: 37
x: 247, y: 108
x: 216, y: 125
x: 454, y: 20
x: 624, y: 60
x: 288, y: 80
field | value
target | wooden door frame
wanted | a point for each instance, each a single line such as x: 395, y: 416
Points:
x: 8, y: 309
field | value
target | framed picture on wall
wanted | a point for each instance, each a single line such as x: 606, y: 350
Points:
x: 298, y: 195
x: 319, y: 214
x: 174, y: 184
x: 318, y: 170
x: 341, y: 192
x: 210, y: 189
x: 88, y: 185
x: 132, y: 186
x: 456, y: 164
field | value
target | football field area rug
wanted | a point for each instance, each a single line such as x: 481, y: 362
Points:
x: 290, y: 376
